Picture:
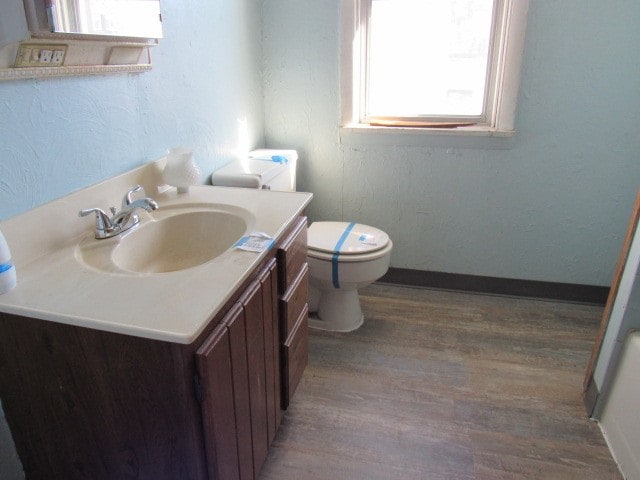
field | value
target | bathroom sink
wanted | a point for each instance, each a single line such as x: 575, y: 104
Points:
x: 178, y: 242
x: 169, y: 240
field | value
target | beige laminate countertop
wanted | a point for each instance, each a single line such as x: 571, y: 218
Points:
x: 176, y: 306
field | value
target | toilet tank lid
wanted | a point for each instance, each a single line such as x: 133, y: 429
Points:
x: 247, y: 173
x: 345, y: 238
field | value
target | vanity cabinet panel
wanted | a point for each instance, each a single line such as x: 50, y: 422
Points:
x: 268, y: 280
x: 218, y: 403
x: 295, y: 355
x: 292, y: 254
x: 84, y: 403
x: 293, y: 301
x: 252, y: 304
x: 293, y: 286
x: 239, y: 368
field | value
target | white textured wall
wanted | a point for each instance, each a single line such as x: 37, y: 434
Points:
x: 551, y: 204
x: 59, y: 135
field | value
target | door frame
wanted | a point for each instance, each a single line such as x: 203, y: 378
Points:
x: 590, y: 389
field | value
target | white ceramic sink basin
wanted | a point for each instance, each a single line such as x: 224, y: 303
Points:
x: 169, y: 240
x: 178, y: 242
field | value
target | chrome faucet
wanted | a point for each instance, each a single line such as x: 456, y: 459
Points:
x: 123, y: 220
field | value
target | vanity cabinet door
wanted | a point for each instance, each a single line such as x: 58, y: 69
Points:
x: 213, y: 359
x: 235, y: 321
x: 252, y: 304
x: 239, y: 369
x: 269, y: 283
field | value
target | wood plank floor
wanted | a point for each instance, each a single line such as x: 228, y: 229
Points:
x: 445, y: 385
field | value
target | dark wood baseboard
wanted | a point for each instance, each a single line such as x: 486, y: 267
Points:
x: 566, y: 292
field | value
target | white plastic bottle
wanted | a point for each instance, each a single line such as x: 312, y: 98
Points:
x: 8, y: 277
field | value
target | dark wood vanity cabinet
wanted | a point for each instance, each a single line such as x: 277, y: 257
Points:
x: 89, y: 404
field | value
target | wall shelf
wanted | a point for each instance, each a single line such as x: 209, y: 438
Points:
x: 24, y: 35
x: 50, y: 72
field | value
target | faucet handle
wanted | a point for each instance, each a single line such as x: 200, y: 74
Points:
x: 98, y: 211
x: 103, y: 223
x: 127, y: 200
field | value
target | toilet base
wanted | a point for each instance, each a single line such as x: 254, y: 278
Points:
x: 337, y: 310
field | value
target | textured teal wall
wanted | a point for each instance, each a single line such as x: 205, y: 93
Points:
x: 59, y: 135
x: 551, y: 204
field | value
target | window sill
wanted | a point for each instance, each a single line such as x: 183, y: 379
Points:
x: 475, y: 136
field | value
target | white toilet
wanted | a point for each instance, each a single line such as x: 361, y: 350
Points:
x: 343, y: 257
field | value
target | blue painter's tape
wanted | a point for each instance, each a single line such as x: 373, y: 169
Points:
x: 5, y: 266
x: 336, y: 255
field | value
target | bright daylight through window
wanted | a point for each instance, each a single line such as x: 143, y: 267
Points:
x: 428, y: 58
x: 433, y: 62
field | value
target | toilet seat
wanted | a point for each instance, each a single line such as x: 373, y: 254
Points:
x: 363, y: 257
x: 352, y: 242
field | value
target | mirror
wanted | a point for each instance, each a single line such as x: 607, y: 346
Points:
x: 119, y: 18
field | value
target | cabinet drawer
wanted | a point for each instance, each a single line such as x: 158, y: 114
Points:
x: 295, y: 357
x: 292, y: 254
x: 293, y: 301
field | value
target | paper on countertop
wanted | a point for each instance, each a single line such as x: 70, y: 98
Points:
x: 255, y: 242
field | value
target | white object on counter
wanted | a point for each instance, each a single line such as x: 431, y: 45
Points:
x: 8, y: 278
x: 181, y: 170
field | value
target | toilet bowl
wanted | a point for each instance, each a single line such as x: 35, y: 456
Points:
x: 343, y: 258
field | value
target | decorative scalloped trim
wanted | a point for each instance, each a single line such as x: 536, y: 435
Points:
x: 48, y: 72
x: 135, y: 41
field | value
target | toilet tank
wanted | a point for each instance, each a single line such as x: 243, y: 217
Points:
x: 265, y: 168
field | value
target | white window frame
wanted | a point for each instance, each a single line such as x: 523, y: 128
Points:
x: 503, y: 89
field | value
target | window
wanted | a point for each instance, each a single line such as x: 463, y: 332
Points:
x: 432, y: 63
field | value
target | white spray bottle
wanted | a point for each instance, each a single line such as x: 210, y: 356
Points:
x: 8, y: 277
